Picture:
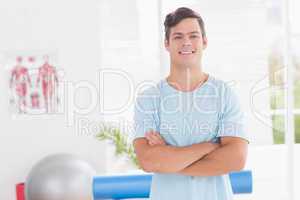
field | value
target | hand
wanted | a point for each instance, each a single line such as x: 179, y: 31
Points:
x: 154, y: 138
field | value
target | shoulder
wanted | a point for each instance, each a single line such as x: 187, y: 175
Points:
x: 219, y: 85
x: 148, y: 96
x: 227, y: 95
x: 150, y: 91
x: 224, y: 88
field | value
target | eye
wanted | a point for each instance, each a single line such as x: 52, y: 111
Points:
x: 194, y: 36
x: 177, y: 37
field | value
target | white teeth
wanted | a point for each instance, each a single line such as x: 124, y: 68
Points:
x: 186, y: 52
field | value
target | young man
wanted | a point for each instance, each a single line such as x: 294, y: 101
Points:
x: 189, y: 128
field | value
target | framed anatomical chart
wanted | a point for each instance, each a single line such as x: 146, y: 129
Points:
x: 34, y: 83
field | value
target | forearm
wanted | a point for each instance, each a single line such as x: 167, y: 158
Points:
x: 223, y: 160
x: 170, y: 159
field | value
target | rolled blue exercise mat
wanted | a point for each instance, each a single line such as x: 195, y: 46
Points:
x: 138, y: 186
x: 241, y: 182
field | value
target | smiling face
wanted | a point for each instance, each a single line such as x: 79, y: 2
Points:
x: 186, y: 43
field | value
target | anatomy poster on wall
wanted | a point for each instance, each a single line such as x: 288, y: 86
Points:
x: 34, y: 84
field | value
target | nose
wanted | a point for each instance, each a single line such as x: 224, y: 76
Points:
x: 187, y: 41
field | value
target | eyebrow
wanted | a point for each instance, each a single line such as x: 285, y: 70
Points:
x: 180, y: 33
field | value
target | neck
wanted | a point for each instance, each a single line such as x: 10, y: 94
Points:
x: 186, y: 78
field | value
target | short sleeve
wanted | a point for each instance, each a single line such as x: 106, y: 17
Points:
x: 146, y: 113
x: 231, y: 122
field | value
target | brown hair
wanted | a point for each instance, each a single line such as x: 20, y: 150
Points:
x: 173, y: 18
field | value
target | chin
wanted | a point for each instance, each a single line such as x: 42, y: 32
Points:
x: 187, y: 65
x: 188, y: 62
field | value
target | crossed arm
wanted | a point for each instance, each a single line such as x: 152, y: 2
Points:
x: 202, y: 159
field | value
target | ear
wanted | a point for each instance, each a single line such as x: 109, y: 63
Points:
x: 204, y: 42
x: 167, y: 46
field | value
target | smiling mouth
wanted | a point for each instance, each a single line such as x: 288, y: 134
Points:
x: 186, y: 52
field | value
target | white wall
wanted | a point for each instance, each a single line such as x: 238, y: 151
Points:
x: 69, y: 29
x: 269, y: 170
x: 130, y: 47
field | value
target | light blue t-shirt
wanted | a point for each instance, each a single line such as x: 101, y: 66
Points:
x: 184, y: 118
